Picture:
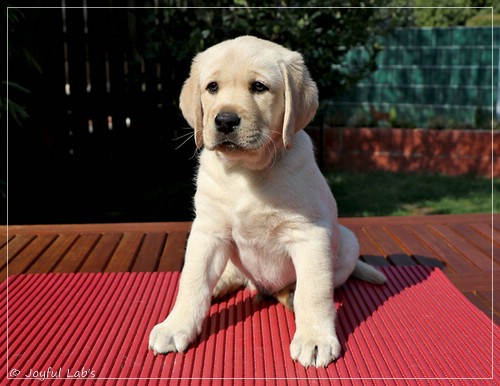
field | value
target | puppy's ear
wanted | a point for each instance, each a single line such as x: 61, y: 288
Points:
x: 190, y: 103
x: 301, y: 97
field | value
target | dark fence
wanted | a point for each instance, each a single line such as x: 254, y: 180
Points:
x: 103, y: 142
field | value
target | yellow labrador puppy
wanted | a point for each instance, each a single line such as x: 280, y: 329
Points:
x: 265, y: 216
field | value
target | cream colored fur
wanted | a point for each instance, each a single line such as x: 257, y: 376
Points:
x: 265, y: 215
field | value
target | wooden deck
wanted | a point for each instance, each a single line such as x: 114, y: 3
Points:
x: 462, y: 245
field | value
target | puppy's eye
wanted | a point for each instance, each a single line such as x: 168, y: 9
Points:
x: 259, y: 88
x: 212, y: 87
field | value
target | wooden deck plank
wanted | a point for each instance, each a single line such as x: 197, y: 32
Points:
x: 98, y: 228
x: 390, y: 248
x: 479, y: 240
x: 477, y: 300
x: 49, y: 259
x: 29, y: 255
x: 492, y: 236
x: 102, y: 252
x: 442, y: 250
x: 472, y: 281
x: 492, y: 303
x: 474, y: 256
x: 419, y: 252
x: 368, y: 250
x: 172, y: 257
x: 16, y: 244
x: 424, y: 219
x: 126, y: 252
x: 487, y: 231
x: 3, y: 241
x: 76, y: 255
x: 149, y: 254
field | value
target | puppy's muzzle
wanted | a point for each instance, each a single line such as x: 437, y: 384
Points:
x: 227, y: 122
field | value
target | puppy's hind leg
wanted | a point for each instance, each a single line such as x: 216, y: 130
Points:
x: 347, y: 257
x: 230, y: 281
x: 350, y: 263
x: 286, y: 296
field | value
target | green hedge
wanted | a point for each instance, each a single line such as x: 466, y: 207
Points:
x: 424, y: 73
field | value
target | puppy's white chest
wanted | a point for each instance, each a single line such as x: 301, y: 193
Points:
x: 258, y: 233
x: 254, y: 222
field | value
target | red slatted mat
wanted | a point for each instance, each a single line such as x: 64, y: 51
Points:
x: 416, y: 327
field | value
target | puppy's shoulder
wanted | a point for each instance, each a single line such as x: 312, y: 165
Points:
x: 301, y: 154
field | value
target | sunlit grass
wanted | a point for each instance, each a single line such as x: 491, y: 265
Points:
x: 398, y: 194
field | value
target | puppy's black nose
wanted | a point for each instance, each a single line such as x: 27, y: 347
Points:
x: 227, y: 122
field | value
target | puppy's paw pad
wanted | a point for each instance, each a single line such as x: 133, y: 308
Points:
x: 315, y: 352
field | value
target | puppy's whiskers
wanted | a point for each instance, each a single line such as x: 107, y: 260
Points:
x: 273, y: 149
x: 188, y: 134
x: 188, y: 137
x: 195, y: 153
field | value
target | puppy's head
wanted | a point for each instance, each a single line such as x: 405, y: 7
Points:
x: 246, y: 97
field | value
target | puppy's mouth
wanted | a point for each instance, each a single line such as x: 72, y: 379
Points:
x: 233, y: 144
x: 227, y: 146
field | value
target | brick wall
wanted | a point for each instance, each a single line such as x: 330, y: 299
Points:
x: 450, y: 152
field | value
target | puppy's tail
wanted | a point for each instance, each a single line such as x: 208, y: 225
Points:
x: 368, y: 273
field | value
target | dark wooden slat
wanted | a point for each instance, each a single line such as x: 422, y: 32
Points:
x: 486, y: 298
x: 173, y: 254
x: 49, y: 259
x: 420, y: 253
x: 367, y: 249
x: 395, y: 254
x: 126, y: 252
x: 73, y: 259
x: 408, y: 220
x: 3, y: 241
x: 477, y: 240
x: 468, y: 250
x: 28, y: 255
x: 496, y: 221
x: 100, y: 255
x: 472, y: 281
x: 149, y: 254
x: 442, y: 250
x: 98, y: 228
x: 478, y: 302
x: 491, y: 235
x: 487, y: 231
x: 16, y: 244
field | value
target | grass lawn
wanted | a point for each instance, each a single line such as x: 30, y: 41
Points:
x: 398, y: 194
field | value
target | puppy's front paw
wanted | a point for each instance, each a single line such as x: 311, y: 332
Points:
x: 318, y: 351
x: 165, y: 338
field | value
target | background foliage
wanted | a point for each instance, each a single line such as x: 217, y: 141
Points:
x: 323, y: 35
x: 151, y: 181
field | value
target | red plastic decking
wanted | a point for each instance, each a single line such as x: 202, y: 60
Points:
x: 418, y: 328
